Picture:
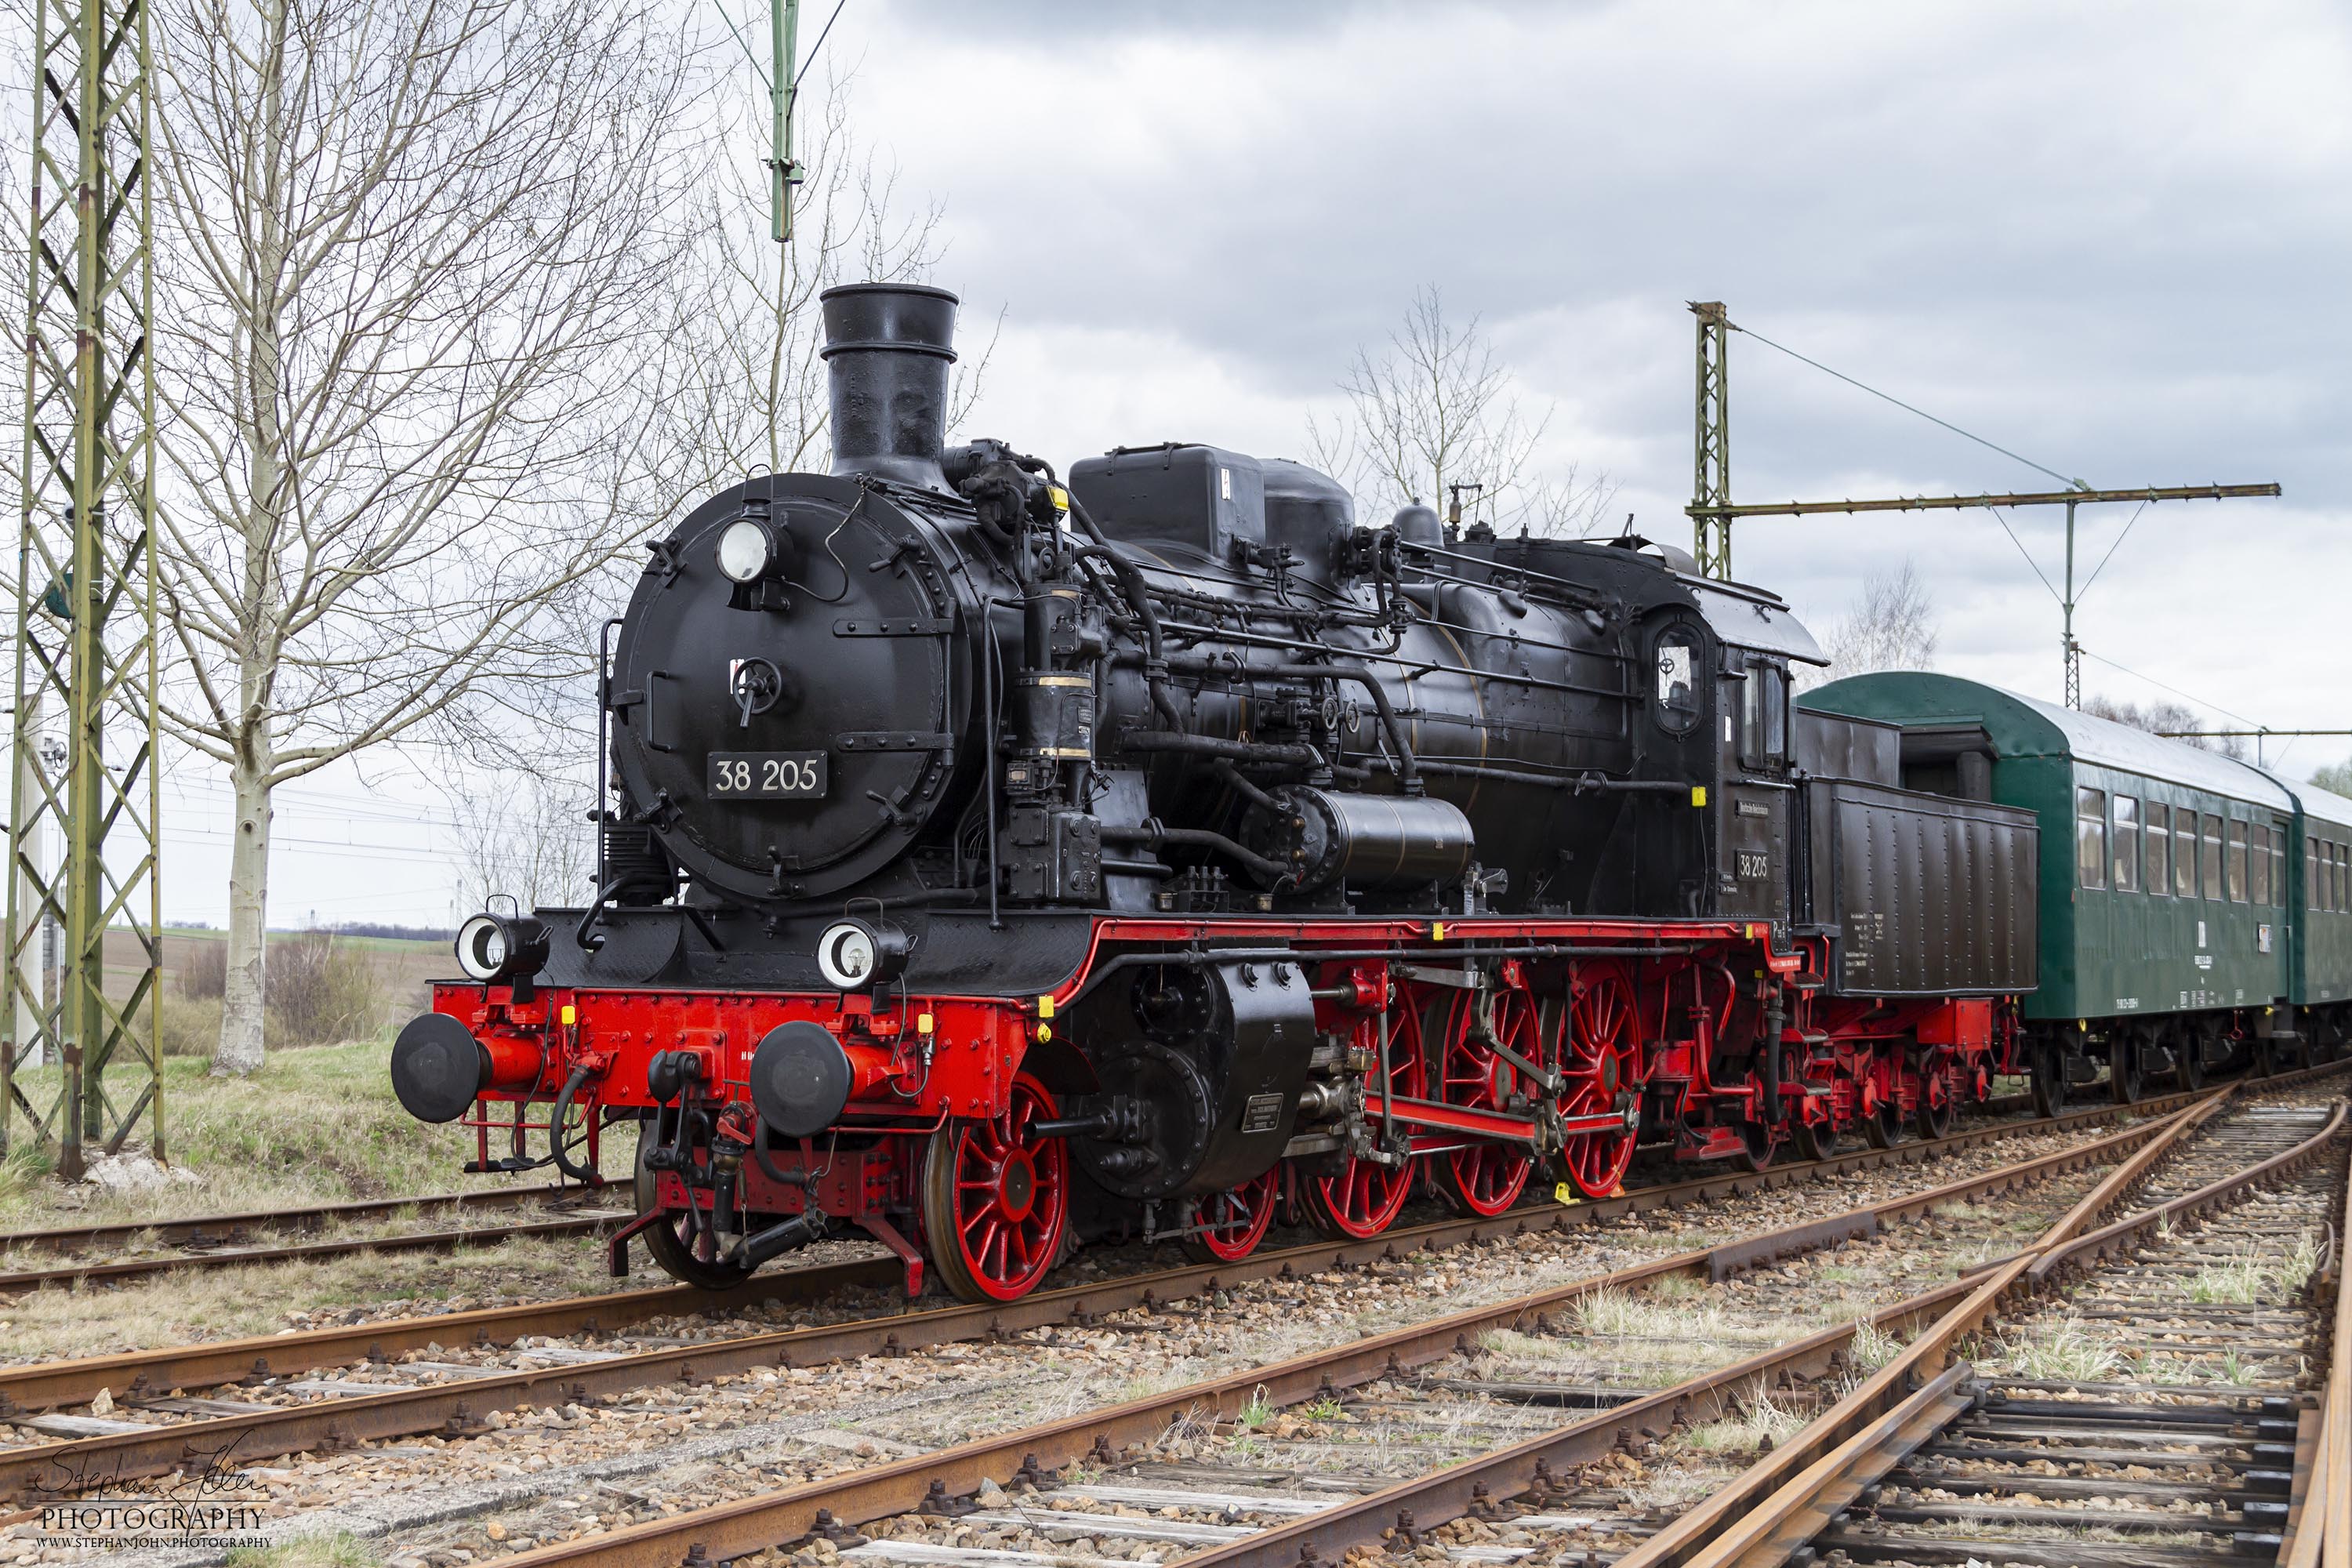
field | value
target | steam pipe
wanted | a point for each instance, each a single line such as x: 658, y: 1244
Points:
x: 1138, y: 599
x: 1408, y: 771
x: 580, y: 1173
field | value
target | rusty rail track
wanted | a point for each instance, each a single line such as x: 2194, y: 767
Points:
x: 227, y: 1240
x: 49, y: 1385
x: 457, y: 1409
x: 228, y: 1229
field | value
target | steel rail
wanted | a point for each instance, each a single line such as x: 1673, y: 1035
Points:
x: 201, y: 1231
x: 50, y: 1385
x: 457, y: 1408
x: 1789, y: 1497
x: 739, y: 1528
x: 120, y: 1269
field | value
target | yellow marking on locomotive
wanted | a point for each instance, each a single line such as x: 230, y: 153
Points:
x: 1045, y: 1006
x: 1698, y: 795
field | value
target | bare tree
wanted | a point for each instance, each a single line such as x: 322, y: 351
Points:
x: 410, y: 256
x: 1891, y: 627
x: 2336, y: 778
x: 2163, y: 716
x: 1435, y: 408
x: 528, y: 835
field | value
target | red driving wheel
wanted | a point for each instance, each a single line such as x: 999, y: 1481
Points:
x: 996, y: 1199
x: 1600, y: 1058
x: 1361, y: 1198
x: 1483, y: 1177
x: 1226, y: 1227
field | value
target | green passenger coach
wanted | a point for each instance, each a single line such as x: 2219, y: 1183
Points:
x: 2171, y: 879
x: 2319, y: 951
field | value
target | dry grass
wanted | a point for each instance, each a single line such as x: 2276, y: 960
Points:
x: 2249, y: 1277
x: 340, y: 1550
x: 1762, y: 1416
x: 2064, y: 1352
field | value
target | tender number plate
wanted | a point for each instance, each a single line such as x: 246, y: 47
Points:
x: 767, y: 775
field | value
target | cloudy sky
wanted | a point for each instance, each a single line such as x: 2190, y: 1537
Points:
x: 2111, y: 237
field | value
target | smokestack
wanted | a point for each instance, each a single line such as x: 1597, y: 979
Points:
x: 888, y: 347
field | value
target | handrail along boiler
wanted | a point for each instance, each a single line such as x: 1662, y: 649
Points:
x: 990, y: 859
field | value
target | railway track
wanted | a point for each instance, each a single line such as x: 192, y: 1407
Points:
x: 2156, y: 1407
x: 155, y: 1425
x: 246, y: 1240
x: 238, y: 1240
x: 1526, y: 1492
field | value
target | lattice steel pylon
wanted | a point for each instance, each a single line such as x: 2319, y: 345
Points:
x: 85, y: 798
x: 1711, y: 444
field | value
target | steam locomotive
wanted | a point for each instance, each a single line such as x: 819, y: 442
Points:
x: 990, y: 858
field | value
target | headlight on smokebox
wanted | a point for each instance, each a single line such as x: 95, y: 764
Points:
x: 861, y: 955
x: 492, y: 948
x: 747, y: 549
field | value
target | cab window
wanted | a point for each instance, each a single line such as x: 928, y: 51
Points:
x: 2160, y: 849
x: 1677, y: 699
x: 2127, y: 843
x: 2209, y: 863
x: 2091, y: 837
x: 1764, y: 726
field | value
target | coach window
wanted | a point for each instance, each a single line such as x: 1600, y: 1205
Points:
x: 2236, y: 864
x: 2258, y: 870
x: 2160, y: 846
x: 2184, y: 851
x: 2209, y: 863
x: 2339, y: 879
x: 2278, y: 864
x: 2091, y: 837
x: 1677, y: 661
x: 2127, y: 843
x: 2311, y: 872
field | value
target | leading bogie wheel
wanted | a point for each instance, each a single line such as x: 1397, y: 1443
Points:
x: 1485, y: 1177
x: 996, y: 1198
x: 1225, y: 1227
x: 1599, y: 1057
x: 1363, y: 1197
x: 679, y: 1246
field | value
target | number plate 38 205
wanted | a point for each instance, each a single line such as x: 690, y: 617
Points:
x: 767, y: 775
